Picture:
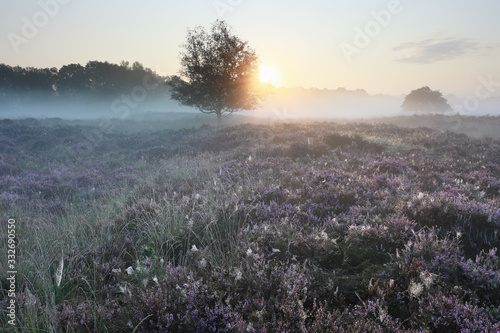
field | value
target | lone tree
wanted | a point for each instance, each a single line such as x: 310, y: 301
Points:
x: 425, y: 100
x: 218, y: 72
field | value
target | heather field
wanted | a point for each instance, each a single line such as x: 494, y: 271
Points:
x: 289, y: 227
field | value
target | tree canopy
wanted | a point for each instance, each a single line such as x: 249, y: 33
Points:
x: 425, y: 100
x: 96, y: 79
x: 219, y: 72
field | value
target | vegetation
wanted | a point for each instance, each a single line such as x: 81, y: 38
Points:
x: 219, y: 72
x: 320, y: 227
x: 425, y: 100
x: 96, y: 80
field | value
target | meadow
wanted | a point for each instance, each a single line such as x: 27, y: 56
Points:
x: 284, y: 227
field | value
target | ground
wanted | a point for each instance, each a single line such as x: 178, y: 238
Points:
x: 314, y: 226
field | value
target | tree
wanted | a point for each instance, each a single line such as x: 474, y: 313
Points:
x: 425, y: 100
x: 72, y: 81
x: 218, y: 72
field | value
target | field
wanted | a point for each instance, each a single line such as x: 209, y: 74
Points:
x: 289, y: 227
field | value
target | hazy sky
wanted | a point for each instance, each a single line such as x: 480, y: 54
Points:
x: 386, y: 47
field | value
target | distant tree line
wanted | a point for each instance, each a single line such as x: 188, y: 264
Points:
x: 97, y: 80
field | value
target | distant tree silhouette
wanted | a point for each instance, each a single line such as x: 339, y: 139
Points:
x: 425, y: 100
x: 26, y: 84
x: 218, y: 72
x: 6, y: 77
x: 6, y: 74
x: 99, y: 81
x: 72, y: 81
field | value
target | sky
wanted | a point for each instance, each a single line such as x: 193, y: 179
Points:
x: 385, y: 47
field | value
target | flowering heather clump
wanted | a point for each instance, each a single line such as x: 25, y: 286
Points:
x: 181, y: 302
x: 449, y: 313
x: 477, y: 222
x: 483, y: 276
x: 84, y: 316
x: 252, y: 228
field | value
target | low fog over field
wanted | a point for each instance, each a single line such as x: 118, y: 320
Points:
x: 104, y: 90
x: 281, y: 104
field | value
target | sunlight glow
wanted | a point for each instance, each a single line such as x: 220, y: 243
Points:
x: 269, y: 74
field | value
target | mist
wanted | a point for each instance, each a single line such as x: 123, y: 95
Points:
x: 89, y: 107
x: 281, y: 104
x: 295, y: 103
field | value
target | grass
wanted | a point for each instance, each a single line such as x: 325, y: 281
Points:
x: 278, y: 228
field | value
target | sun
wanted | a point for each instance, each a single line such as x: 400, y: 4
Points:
x: 269, y: 74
